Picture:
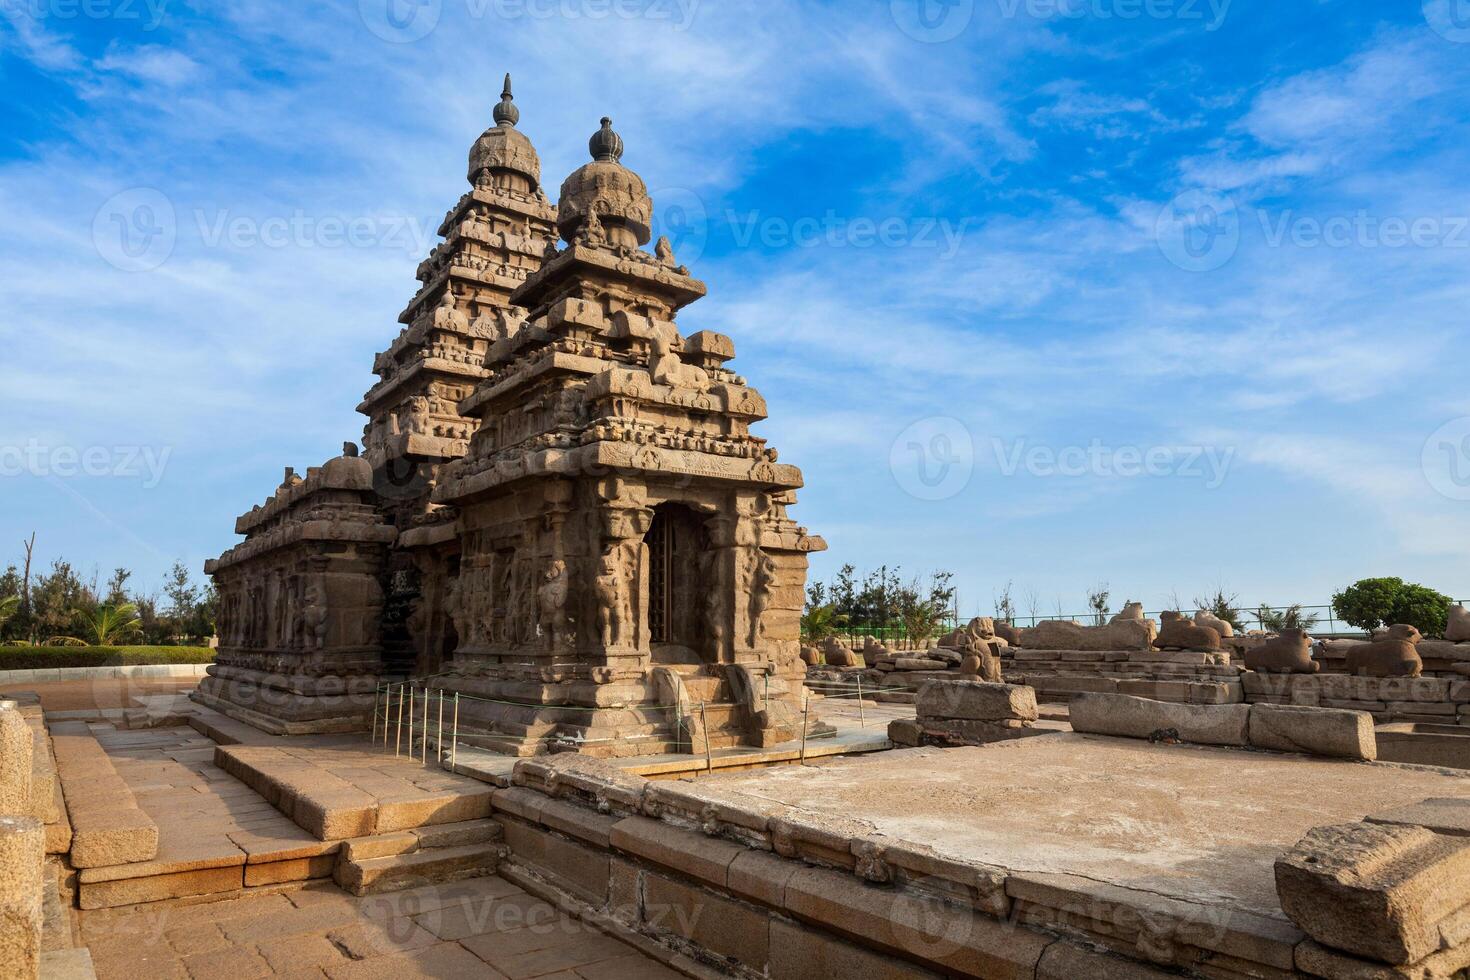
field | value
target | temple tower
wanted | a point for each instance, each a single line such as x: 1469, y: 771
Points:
x: 493, y: 240
x: 625, y: 552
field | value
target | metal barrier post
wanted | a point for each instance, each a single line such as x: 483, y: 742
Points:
x: 862, y: 719
x: 398, y: 735
x: 377, y: 697
x: 412, y: 694
x: 439, y: 737
x: 806, y: 703
x: 709, y: 762
x: 424, y: 756
x: 454, y: 739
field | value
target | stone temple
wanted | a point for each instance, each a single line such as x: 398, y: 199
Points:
x: 560, y: 511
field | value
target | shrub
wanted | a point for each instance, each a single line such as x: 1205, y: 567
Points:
x: 1374, y: 602
x: 46, y: 658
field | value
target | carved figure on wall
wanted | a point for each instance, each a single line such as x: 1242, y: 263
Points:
x: 711, y: 579
x: 666, y: 368
x: 762, y: 590
x: 314, y: 619
x: 454, y: 608
x: 551, y: 601
x: 614, y: 608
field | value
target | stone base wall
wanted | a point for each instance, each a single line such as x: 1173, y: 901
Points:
x: 289, y: 704
x: 1183, y: 677
x: 1424, y: 700
x: 720, y: 882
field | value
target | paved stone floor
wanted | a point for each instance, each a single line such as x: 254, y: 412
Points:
x: 103, y: 693
x: 485, y: 927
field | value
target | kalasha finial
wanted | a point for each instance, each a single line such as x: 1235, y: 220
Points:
x: 605, y: 144
x: 506, y: 113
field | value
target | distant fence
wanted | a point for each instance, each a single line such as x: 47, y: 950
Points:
x: 1325, y: 623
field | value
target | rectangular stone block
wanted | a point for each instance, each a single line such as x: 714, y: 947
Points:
x: 798, y: 953
x: 580, y: 869
x: 1130, y: 717
x: 1313, y: 731
x: 103, y: 838
x: 1380, y: 891
x: 954, y: 939
x: 134, y: 891
x: 728, y: 928
x: 294, y: 869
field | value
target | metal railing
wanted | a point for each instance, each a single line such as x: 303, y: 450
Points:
x: 1326, y: 624
x: 411, y: 716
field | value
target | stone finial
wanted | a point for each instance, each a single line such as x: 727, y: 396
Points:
x: 349, y: 449
x: 606, y: 146
x: 506, y: 113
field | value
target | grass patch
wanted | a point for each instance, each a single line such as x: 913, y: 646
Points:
x: 48, y: 658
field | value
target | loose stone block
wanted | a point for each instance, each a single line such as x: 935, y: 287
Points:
x: 16, y: 743
x: 977, y: 701
x: 1130, y: 717
x: 1314, y: 731
x: 1375, y: 890
x: 22, y: 874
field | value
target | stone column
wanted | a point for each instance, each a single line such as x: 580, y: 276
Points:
x: 22, y: 862
x: 16, y: 748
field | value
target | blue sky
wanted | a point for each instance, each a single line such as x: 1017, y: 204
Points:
x: 1167, y: 294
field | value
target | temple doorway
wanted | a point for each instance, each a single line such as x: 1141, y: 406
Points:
x: 675, y: 543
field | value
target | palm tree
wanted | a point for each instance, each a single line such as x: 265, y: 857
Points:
x: 820, y: 622
x: 1290, y: 618
x: 8, y: 608
x: 105, y: 627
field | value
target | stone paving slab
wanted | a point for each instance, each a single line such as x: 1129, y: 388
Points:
x: 336, y: 787
x: 215, y: 834
x: 485, y: 927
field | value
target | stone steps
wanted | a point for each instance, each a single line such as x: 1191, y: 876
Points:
x: 411, y: 869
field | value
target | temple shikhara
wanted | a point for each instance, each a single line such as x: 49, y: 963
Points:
x: 559, y: 508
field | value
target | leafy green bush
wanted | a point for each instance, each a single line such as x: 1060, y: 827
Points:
x: 46, y: 658
x: 1374, y: 602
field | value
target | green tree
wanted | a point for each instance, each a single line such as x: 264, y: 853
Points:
x: 1374, y: 602
x: 1222, y: 605
x: 117, y: 587
x: 182, y: 593
x: 1097, y: 601
x: 9, y: 606
x: 106, y: 626
x: 819, y: 622
x: 60, y: 601
x: 1290, y: 618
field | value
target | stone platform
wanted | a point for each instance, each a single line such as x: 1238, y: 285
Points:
x: 1055, y: 857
